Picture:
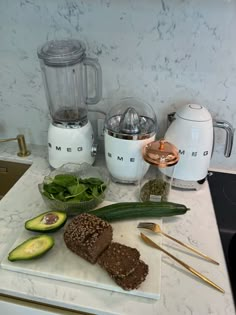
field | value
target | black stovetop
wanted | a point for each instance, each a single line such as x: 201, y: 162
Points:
x: 223, y: 193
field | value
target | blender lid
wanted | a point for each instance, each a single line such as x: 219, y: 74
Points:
x: 62, y: 52
x: 131, y: 119
x: 161, y: 153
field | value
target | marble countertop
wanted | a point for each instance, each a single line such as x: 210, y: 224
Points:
x: 181, y: 292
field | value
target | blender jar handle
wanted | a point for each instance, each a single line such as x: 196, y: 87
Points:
x: 98, y: 80
x: 229, y: 135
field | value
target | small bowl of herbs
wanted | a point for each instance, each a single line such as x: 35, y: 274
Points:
x: 74, y: 188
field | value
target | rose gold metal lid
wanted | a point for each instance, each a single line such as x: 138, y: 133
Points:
x: 161, y: 153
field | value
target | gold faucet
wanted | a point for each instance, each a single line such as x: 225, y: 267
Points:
x: 22, y: 145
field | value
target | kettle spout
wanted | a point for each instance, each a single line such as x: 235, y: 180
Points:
x: 229, y: 135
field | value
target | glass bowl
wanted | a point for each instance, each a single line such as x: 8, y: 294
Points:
x: 84, y: 191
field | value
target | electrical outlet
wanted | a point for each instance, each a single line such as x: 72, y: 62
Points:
x: 100, y: 128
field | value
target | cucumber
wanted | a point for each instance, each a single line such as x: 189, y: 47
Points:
x: 136, y: 210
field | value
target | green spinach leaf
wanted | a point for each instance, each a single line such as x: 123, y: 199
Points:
x: 69, y: 188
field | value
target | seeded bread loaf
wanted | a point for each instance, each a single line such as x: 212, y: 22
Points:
x: 119, y: 260
x: 91, y: 238
x: 134, y: 279
x: 88, y: 236
x: 123, y: 265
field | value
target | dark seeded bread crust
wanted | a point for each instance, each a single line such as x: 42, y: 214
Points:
x: 134, y: 279
x: 88, y: 236
x: 119, y: 260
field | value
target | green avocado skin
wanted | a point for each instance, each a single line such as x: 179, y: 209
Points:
x: 36, y: 224
x: 33, y: 247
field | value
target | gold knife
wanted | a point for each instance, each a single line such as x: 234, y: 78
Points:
x: 148, y: 241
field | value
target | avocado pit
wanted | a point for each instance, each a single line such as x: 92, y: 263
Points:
x: 50, y: 218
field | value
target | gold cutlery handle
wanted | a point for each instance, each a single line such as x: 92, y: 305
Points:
x: 191, y: 248
x: 192, y: 270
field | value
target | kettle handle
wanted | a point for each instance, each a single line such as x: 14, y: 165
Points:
x: 229, y: 135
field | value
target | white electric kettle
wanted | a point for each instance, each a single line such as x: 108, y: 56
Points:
x: 191, y: 130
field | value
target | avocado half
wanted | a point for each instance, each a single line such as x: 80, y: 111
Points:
x: 34, y: 247
x: 50, y: 221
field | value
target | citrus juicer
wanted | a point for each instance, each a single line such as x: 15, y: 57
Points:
x: 129, y: 125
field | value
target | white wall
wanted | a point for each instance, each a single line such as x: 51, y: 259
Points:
x: 168, y: 52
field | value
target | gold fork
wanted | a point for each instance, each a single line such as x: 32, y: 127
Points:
x: 157, y: 229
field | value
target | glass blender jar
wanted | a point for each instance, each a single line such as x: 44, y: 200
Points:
x: 156, y: 184
x: 65, y: 71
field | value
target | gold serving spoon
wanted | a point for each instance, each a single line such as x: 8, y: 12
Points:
x: 148, y: 241
x: 157, y: 229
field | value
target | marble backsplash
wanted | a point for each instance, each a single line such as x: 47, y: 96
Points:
x: 166, y: 52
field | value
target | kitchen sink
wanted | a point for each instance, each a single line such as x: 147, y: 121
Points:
x: 10, y: 173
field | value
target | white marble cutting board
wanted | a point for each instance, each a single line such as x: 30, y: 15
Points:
x: 62, y: 264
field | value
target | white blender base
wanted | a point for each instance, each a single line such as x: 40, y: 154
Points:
x: 70, y: 145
